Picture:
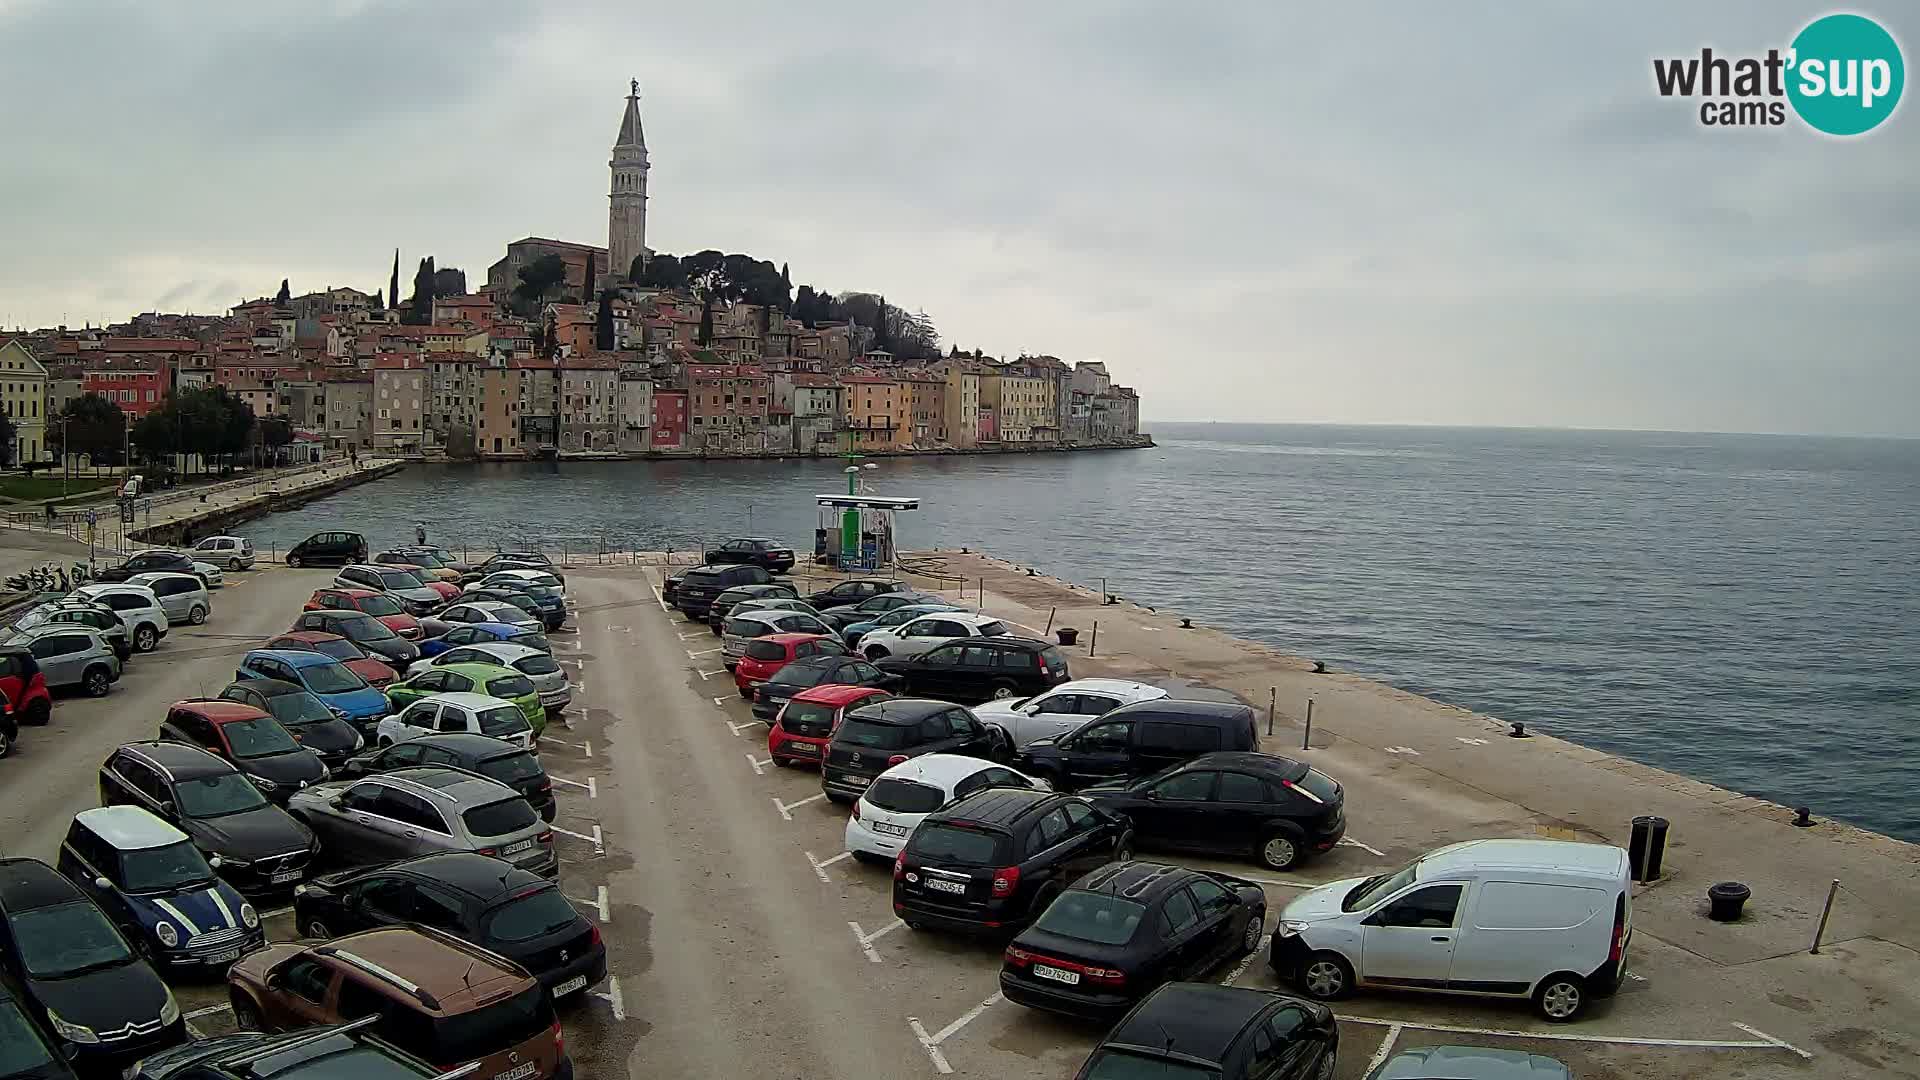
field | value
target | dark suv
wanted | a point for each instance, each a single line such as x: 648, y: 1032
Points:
x: 771, y: 696
x: 995, y: 859
x: 853, y: 591
x: 1138, y: 739
x: 874, y: 738
x: 770, y: 555
x: 149, y: 562
x: 721, y: 605
x: 699, y: 586
x: 1274, y: 810
x: 328, y: 549
x: 309, y: 1054
x: 982, y: 669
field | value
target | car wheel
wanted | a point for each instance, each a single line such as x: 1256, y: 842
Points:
x: 197, y: 615
x: 233, y: 566
x: 1280, y: 850
x: 1325, y: 1071
x: 1256, y: 928
x: 39, y: 713
x: 293, y: 562
x: 6, y: 740
x: 1003, y: 691
x: 97, y: 681
x: 1123, y: 849
x: 317, y: 929
x: 144, y: 639
x: 910, y: 924
x: 746, y: 692
x: 1326, y: 976
x: 877, y: 652
x: 384, y: 741
x: 781, y: 763
x: 1560, y: 997
x: 246, y: 1016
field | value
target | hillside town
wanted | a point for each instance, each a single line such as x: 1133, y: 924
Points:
x: 568, y: 349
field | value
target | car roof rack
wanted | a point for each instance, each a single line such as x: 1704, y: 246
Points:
x: 248, y: 1057
x: 378, y: 972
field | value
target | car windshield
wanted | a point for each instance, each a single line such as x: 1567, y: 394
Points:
x: 67, y: 939
x: 939, y: 842
x: 22, y: 1051
x: 532, y: 915
x: 500, y: 818
x: 509, y: 687
x: 872, y: 733
x: 1319, y: 785
x: 164, y: 869
x: 331, y: 678
x: 217, y: 796
x: 258, y: 738
x: 339, y: 648
x: 503, y: 721
x: 367, y: 627
x: 536, y: 665
x: 1379, y: 885
x: 511, y: 768
x: 1128, y: 1065
x: 298, y: 709
x: 1087, y: 916
x: 464, y: 1036
x: 905, y: 796
x: 400, y: 579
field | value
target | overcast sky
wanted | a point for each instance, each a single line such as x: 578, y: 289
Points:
x: 1451, y: 214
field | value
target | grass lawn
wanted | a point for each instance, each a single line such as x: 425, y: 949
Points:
x: 19, y: 486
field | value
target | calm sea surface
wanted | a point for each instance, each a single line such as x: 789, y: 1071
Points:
x: 1742, y: 609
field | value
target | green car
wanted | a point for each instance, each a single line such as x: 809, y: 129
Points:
x: 490, y: 679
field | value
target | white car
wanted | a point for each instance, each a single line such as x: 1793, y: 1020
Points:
x: 898, y: 799
x: 476, y: 714
x: 934, y: 628
x: 523, y: 577
x: 1063, y: 708
x: 146, y: 620
x: 232, y: 552
x: 182, y: 596
x: 475, y: 611
x: 548, y: 678
x: 210, y: 574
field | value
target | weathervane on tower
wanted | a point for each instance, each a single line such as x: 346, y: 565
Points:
x: 636, y: 88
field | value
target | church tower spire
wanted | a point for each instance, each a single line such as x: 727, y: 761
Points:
x: 627, y: 196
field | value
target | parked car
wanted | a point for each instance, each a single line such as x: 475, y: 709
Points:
x: 493, y: 680
x: 851, y: 633
x: 1224, y: 1032
x: 747, y: 626
x: 549, y: 680
x: 9, y: 728
x: 253, y: 741
x: 917, y: 636
x: 1064, y: 708
x: 508, y: 760
x: 762, y: 657
x: 435, y: 556
x: 425, y: 567
x: 387, y: 610
x: 886, y: 813
x: 526, y: 577
x: 518, y: 560
x: 375, y: 635
x: 84, y: 612
x: 994, y: 860
x: 476, y: 633
x: 328, y: 549
x: 544, y: 602
x: 77, y: 975
x: 1545, y: 919
x: 419, y: 811
x: 312, y: 1053
x: 853, y: 591
x: 211, y: 576
x: 459, y: 711
x: 771, y: 696
x: 770, y: 555
x: 70, y: 657
x: 1126, y: 929
x: 145, y: 562
x: 806, y: 723
x: 339, y: 686
x: 159, y: 889
x: 881, y: 734
x: 1273, y: 810
x: 183, y: 597
x: 492, y: 904
x: 875, y: 606
x: 1139, y: 739
x: 233, y: 552
x: 981, y: 668
x: 698, y: 587
x: 261, y: 847
x: 487, y: 610
x: 445, y: 583
x: 145, y: 619
x: 1473, y: 1062
x: 27, y: 1049
x: 24, y: 686
x: 438, y: 998
x: 410, y: 591
x: 313, y: 723
x: 723, y: 604
x: 355, y: 659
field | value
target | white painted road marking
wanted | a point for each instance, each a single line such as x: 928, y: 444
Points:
x: 208, y: 1011
x: 1764, y: 1037
x: 820, y: 866
x: 759, y: 764
x: 738, y: 728
x: 866, y: 940
x: 1407, y: 750
x: 690, y: 637
x: 719, y: 703
x: 1351, y: 842
x: 598, y: 903
x: 584, y: 747
x: 612, y: 997
x: 621, y: 629
x: 711, y: 674
x: 786, y: 809
x: 692, y: 655
x: 1380, y: 1055
x: 1240, y: 968
x: 660, y: 599
x: 593, y: 790
x: 1765, y: 1041
x: 288, y: 910
x: 931, y: 1043
x: 1469, y: 742
x: 598, y: 842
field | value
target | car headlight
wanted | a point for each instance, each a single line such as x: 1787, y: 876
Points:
x: 75, y: 1033
x: 166, y: 933
x: 249, y: 916
x: 170, y: 1011
x: 1290, y: 927
x: 263, y: 783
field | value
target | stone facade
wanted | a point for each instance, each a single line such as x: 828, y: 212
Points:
x: 627, y: 193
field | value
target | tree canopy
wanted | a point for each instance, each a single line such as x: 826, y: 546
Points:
x: 537, y: 279
x: 206, y: 421
x: 8, y: 430
x: 94, y: 424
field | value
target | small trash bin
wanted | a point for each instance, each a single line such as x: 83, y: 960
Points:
x: 1067, y: 635
x: 1647, y: 847
x: 1726, y: 900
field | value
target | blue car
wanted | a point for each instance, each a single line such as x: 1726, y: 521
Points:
x: 158, y: 889
x: 328, y: 679
x: 852, y: 634
x: 480, y: 633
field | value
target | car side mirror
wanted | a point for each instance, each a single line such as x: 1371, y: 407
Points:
x: 1375, y: 919
x: 101, y: 882
x: 1151, y: 795
x: 338, y: 802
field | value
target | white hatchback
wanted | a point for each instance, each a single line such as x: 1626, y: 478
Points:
x: 1064, y: 708
x: 900, y: 798
x: 934, y: 628
x: 475, y: 714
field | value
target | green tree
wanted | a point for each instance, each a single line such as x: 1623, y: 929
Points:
x: 537, y: 278
x: 603, y: 324
x: 420, y: 304
x: 94, y: 424
x: 284, y: 294
x: 706, y: 318
x: 393, y: 286
x: 275, y: 432
x: 659, y: 272
x: 586, y: 283
x: 8, y: 432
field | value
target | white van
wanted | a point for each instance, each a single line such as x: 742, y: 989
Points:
x: 1546, y: 919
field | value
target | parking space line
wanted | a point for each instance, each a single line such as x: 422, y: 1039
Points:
x: 1240, y: 968
x: 693, y: 655
x: 659, y: 599
x: 866, y: 940
x: 612, y: 997
x: 786, y: 809
x: 1351, y: 842
x: 288, y: 910
x: 208, y: 1011
x: 1284, y: 884
x: 593, y: 789
x: 1781, y: 1043
x: 690, y: 637
x: 584, y: 747
x: 931, y: 1043
x: 759, y: 764
x: 719, y: 703
x: 820, y: 865
x: 599, y: 843
x: 599, y: 902
x: 742, y: 726
x: 1764, y: 1042
x: 1380, y: 1055
x: 711, y: 674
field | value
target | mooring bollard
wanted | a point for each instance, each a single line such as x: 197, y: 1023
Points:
x: 1821, y: 930
x: 1725, y: 900
x: 1306, y: 737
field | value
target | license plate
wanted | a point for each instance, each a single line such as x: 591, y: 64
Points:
x: 885, y: 829
x: 855, y: 781
x: 517, y: 847
x: 578, y: 982
x: 800, y: 748
x: 1071, y: 978
x: 936, y: 885
x: 284, y: 875
x: 518, y: 1072
x: 227, y: 957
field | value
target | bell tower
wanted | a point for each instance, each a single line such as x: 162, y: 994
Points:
x: 627, y: 194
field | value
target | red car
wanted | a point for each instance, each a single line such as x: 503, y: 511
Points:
x: 769, y: 654
x: 379, y: 605
x: 806, y: 724
x: 24, y: 685
x: 352, y: 656
x: 447, y: 589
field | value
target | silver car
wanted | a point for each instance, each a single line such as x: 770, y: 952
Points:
x: 742, y: 628
x: 548, y: 680
x: 422, y: 811
x: 232, y: 552
x: 146, y: 619
x: 71, y: 655
x: 183, y: 597
x: 402, y: 585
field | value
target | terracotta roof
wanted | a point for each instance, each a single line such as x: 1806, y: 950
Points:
x: 390, y: 362
x: 815, y: 381
x: 128, y: 345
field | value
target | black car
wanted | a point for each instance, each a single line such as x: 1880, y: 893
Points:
x: 1200, y: 1031
x: 1274, y: 810
x: 516, y: 595
x: 492, y: 904
x: 149, y: 562
x: 770, y: 555
x: 315, y: 1053
x: 723, y: 604
x: 317, y: 725
x: 699, y: 586
x: 514, y: 766
x: 772, y: 695
x: 27, y: 1050
x: 995, y: 859
x: 853, y: 591
x: 78, y: 976
x: 257, y: 745
x: 518, y: 560
x: 874, y: 738
x: 1139, y: 739
x: 982, y: 668
x: 104, y: 619
x: 875, y: 606
x: 262, y: 848
x: 365, y: 631
x: 328, y: 549
x: 1123, y: 930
